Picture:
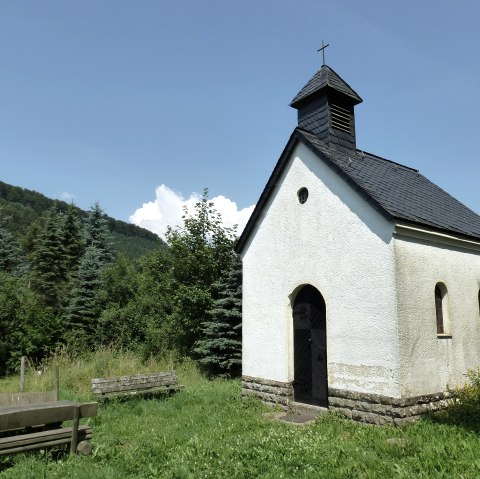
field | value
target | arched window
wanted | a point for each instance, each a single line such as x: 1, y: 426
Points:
x: 441, y: 308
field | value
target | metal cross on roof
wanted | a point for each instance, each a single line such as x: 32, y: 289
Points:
x: 322, y: 49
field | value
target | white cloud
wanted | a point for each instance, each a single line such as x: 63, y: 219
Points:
x: 167, y: 210
x: 65, y: 196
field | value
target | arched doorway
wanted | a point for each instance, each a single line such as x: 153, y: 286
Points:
x: 310, y: 347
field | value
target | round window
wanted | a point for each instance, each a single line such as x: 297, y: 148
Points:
x: 302, y: 194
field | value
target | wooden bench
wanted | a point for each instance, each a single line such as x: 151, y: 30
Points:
x: 141, y: 384
x: 43, y: 418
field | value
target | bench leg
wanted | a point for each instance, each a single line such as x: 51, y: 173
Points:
x: 76, y: 422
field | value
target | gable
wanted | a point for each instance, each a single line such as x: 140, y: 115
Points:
x: 334, y: 206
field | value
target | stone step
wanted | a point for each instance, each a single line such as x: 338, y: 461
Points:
x: 299, y: 414
x: 300, y: 406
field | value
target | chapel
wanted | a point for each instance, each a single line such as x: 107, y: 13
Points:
x: 361, y: 278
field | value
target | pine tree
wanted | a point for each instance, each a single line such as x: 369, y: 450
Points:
x: 82, y: 309
x: 219, y: 349
x: 97, y: 233
x: 49, y: 272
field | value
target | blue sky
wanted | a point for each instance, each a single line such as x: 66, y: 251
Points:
x: 106, y: 101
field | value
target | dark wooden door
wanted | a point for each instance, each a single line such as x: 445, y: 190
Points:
x: 310, y: 347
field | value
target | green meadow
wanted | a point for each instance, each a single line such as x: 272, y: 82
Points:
x: 208, y: 431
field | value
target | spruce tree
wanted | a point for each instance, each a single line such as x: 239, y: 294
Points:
x: 97, y: 233
x: 219, y: 349
x: 49, y: 271
x: 11, y: 259
x: 30, y: 238
x: 72, y: 238
x: 82, y: 310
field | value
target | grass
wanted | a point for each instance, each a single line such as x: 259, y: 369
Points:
x: 207, y: 430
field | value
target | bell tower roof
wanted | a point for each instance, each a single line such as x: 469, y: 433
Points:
x: 325, y: 79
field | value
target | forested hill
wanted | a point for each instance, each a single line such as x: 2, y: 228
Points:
x: 24, y: 206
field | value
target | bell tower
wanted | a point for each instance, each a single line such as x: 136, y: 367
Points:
x: 326, y: 108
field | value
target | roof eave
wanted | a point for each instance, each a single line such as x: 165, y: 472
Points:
x: 435, y: 230
x: 322, y: 91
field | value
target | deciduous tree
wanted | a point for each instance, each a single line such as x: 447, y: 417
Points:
x: 26, y: 327
x: 202, y: 250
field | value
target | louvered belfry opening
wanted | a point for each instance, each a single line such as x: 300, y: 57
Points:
x: 326, y: 108
x: 340, y: 118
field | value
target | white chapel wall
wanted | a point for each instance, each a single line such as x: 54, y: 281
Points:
x: 431, y: 363
x: 342, y: 246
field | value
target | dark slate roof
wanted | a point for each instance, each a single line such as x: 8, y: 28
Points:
x: 396, y: 191
x: 325, y: 77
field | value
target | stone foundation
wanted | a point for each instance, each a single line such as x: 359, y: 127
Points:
x: 377, y: 409
x: 270, y: 392
x: 370, y: 408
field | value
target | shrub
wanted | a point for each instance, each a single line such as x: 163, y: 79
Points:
x: 465, y: 402
x: 469, y: 393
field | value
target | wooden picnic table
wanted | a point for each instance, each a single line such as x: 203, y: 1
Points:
x: 45, y: 418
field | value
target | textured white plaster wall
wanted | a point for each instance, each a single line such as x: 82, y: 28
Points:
x: 429, y: 363
x: 342, y: 246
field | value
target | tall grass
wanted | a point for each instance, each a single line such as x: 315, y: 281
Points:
x: 76, y: 372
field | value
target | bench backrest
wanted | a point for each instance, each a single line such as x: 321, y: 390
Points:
x: 19, y: 398
x: 134, y: 383
x: 17, y: 417
x: 11, y: 399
